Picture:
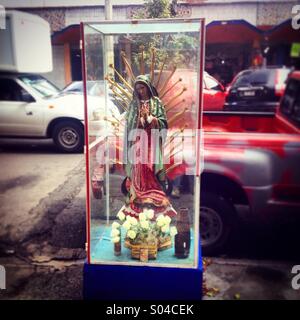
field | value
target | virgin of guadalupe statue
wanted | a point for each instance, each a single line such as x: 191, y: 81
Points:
x: 145, y: 179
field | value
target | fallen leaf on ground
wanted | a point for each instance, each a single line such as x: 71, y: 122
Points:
x: 237, y: 296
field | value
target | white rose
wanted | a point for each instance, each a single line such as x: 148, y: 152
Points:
x: 160, y: 220
x: 173, y: 231
x: 160, y: 217
x: 121, y: 215
x: 115, y: 233
x: 142, y: 216
x: 133, y: 221
x: 115, y: 239
x: 127, y: 224
x: 167, y: 219
x: 145, y: 224
x: 131, y: 234
x: 150, y: 213
x: 115, y: 225
x: 165, y: 229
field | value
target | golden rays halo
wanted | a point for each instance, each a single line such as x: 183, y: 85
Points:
x: 123, y: 90
x: 169, y: 92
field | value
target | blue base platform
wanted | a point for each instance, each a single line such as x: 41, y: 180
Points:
x: 133, y: 282
x: 118, y: 282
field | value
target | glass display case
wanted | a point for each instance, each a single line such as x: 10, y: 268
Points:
x: 143, y: 140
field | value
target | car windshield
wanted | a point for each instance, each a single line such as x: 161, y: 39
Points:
x: 254, y: 77
x: 211, y: 83
x: 41, y: 86
x: 94, y: 88
x: 74, y: 87
x: 282, y: 75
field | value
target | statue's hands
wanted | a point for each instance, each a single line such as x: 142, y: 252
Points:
x: 143, y: 121
x: 144, y: 112
x: 150, y: 118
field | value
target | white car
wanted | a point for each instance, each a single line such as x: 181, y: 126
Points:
x: 30, y: 106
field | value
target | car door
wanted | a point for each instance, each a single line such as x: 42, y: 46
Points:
x: 213, y: 94
x: 20, y: 114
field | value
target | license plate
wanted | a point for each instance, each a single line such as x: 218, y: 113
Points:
x: 249, y: 93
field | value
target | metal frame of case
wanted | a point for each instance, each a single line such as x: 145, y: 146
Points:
x: 111, y: 28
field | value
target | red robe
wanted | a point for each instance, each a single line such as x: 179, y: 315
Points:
x: 145, y: 189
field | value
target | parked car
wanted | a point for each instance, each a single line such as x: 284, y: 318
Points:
x: 256, y: 89
x: 213, y: 91
x: 32, y: 107
x: 95, y: 88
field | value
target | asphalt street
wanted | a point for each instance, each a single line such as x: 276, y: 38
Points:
x: 42, y: 235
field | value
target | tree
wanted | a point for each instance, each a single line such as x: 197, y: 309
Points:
x: 158, y: 8
x: 178, y: 48
x: 154, y: 9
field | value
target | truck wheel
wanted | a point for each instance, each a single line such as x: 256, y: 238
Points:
x: 216, y: 217
x: 68, y: 137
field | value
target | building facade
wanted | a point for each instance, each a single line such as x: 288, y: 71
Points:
x: 237, y: 31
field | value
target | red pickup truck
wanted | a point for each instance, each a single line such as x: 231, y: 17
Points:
x: 249, y: 159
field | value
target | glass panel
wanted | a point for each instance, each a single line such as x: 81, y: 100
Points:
x: 93, y: 45
x: 142, y: 143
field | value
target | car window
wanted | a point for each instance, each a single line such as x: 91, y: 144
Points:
x: 241, y: 79
x: 212, y: 84
x: 254, y: 77
x: 290, y: 105
x: 282, y: 76
x: 11, y: 91
x: 74, y: 87
x: 78, y: 87
x: 94, y: 88
x: 97, y: 89
x: 41, y: 86
x: 261, y: 76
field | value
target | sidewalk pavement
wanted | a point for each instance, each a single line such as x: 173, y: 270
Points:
x: 59, y: 276
x: 49, y: 268
x: 241, y: 279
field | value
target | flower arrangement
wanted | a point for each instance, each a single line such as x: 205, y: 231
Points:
x: 144, y: 231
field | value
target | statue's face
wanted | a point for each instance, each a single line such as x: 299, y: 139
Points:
x: 142, y: 91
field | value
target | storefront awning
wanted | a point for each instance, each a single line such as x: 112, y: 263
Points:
x: 282, y: 33
x: 70, y: 34
x: 232, y: 31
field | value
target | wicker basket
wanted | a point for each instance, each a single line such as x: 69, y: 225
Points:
x: 136, y: 250
x: 164, y: 244
x: 152, y: 249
